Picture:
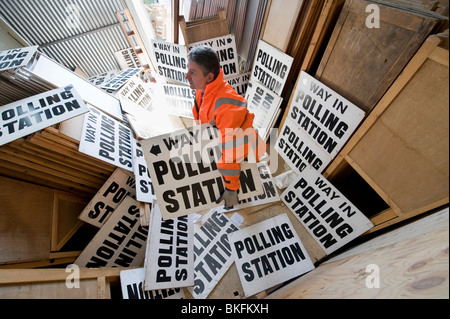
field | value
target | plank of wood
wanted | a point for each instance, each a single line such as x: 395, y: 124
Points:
x: 409, y: 267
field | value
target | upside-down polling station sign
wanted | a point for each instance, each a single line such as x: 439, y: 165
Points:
x: 169, y: 261
x: 107, y: 139
x: 176, y: 99
x: 132, y: 284
x: 271, y: 67
x: 16, y: 58
x: 330, y: 218
x: 171, y: 61
x: 268, y: 253
x: 184, y: 173
x: 120, y: 184
x: 32, y: 114
x: 225, y: 47
x: 212, y: 252
x: 318, y: 124
x: 121, y: 241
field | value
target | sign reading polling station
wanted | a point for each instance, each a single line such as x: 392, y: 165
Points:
x: 330, y: 218
x: 184, y: 172
x: 268, y: 253
x: 176, y: 99
x: 265, y: 105
x: 127, y: 59
x: 132, y: 284
x: 318, y: 124
x: 144, y: 189
x: 120, y: 184
x: 136, y: 91
x: 107, y: 139
x: 35, y: 113
x: 169, y: 259
x: 212, y: 252
x: 16, y: 58
x: 171, y: 61
x: 271, y: 67
x: 120, y: 242
x: 225, y: 46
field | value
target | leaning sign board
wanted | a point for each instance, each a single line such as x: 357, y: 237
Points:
x: 330, y: 218
x: 132, y: 284
x: 144, y: 187
x: 16, y: 58
x: 212, y: 252
x: 171, y: 61
x: 120, y: 184
x: 107, y: 139
x: 318, y: 124
x: 268, y: 253
x: 175, y: 99
x: 120, y: 79
x: 169, y: 261
x: 184, y: 172
x: 271, y: 67
x: 120, y: 242
x: 32, y: 114
x: 225, y: 47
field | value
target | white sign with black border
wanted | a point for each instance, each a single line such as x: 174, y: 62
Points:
x: 271, y: 67
x: 121, y: 241
x: 132, y: 284
x: 225, y: 46
x: 212, y: 252
x: 169, y: 261
x: 268, y: 253
x: 144, y: 186
x: 35, y: 113
x: 330, y: 218
x: 120, y: 184
x: 318, y: 124
x: 107, y: 139
x: 184, y: 172
x: 171, y: 61
x: 16, y: 58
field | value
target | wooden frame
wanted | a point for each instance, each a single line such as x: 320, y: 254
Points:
x: 202, y: 29
x: 387, y: 160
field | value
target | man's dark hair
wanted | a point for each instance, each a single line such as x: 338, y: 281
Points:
x: 206, y: 58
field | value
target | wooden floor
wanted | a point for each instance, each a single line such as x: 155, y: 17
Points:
x: 411, y: 262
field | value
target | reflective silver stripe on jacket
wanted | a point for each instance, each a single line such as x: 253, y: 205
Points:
x: 226, y: 100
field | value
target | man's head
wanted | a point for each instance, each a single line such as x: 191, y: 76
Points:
x: 203, y: 67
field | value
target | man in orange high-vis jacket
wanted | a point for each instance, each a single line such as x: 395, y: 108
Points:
x: 217, y: 103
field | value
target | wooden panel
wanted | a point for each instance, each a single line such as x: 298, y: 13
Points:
x: 412, y: 264
x: 280, y: 23
x: 25, y: 221
x: 199, y: 30
x: 406, y: 150
x: 361, y: 63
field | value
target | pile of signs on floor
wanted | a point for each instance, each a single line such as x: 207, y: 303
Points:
x: 157, y: 213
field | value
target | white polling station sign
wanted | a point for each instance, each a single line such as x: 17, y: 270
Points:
x: 16, y: 58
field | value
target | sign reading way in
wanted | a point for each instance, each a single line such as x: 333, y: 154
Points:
x: 107, y: 139
x: 16, y: 58
x: 212, y: 252
x: 170, y: 257
x: 271, y: 67
x: 120, y: 184
x: 318, y: 124
x: 120, y: 242
x: 35, y: 113
x: 225, y: 46
x: 268, y: 253
x: 171, y: 61
x: 184, y: 172
x: 239, y: 82
x: 326, y: 214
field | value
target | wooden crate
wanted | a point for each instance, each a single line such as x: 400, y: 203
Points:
x: 202, y: 29
x: 401, y: 151
x: 51, y: 283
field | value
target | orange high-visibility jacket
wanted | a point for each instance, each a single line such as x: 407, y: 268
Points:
x: 222, y: 107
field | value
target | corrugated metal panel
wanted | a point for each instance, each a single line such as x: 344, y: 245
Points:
x: 75, y: 33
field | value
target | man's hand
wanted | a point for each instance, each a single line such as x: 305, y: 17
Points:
x: 230, y: 197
